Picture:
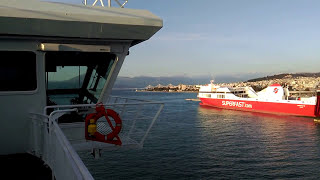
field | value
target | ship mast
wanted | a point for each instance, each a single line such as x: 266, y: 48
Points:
x: 121, y: 4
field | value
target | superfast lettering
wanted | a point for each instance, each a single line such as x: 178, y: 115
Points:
x: 236, y: 104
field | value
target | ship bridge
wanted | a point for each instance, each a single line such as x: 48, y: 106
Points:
x: 57, y: 58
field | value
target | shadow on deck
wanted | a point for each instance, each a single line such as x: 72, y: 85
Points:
x: 24, y: 166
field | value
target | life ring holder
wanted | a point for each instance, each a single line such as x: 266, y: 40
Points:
x: 91, y: 132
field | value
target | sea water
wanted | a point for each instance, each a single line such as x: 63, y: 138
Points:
x: 193, y: 142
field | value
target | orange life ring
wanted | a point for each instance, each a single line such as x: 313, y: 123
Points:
x: 94, y: 135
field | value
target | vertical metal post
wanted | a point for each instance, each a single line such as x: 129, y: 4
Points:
x: 135, y: 119
x: 113, y: 73
x: 121, y: 5
x: 124, y: 107
x: 94, y: 3
x: 101, y: 1
x: 124, y: 4
x: 151, y: 125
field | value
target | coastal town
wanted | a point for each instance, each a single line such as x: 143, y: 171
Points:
x: 293, y: 83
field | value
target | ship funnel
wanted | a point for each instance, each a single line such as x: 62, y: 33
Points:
x: 274, y: 92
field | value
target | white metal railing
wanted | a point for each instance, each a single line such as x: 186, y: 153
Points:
x: 121, y: 4
x: 138, y: 117
x: 56, y: 142
x: 55, y: 149
x: 63, y: 157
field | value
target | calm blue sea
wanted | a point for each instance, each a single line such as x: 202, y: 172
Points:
x: 193, y: 142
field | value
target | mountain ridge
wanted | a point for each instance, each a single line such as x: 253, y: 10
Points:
x: 285, y: 75
x: 144, y: 81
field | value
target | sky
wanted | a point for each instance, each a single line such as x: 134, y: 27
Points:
x: 221, y: 37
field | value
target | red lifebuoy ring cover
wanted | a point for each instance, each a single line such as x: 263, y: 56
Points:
x: 111, y: 137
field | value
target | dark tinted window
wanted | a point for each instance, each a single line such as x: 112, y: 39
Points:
x: 17, y: 71
x: 76, y: 77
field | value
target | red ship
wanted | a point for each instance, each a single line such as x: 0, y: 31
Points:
x: 273, y: 99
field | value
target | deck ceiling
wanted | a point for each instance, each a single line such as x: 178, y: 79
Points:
x: 49, y: 19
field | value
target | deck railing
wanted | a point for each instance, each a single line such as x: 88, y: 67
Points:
x: 56, y: 142
x: 50, y: 143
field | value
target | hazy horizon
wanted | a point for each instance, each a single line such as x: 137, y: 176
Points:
x: 251, y: 75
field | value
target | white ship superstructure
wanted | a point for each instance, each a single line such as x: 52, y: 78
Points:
x: 57, y: 62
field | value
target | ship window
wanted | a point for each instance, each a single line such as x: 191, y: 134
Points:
x: 18, y: 71
x: 76, y: 77
x: 208, y: 95
x: 221, y: 96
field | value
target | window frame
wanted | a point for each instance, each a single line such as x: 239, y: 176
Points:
x: 109, y: 73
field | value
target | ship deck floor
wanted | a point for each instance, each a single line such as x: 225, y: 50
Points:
x: 24, y: 166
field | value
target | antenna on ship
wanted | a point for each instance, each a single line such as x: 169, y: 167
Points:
x: 212, y: 79
x: 121, y: 4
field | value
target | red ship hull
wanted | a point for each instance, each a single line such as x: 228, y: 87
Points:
x: 265, y: 107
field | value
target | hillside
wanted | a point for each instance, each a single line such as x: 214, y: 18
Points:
x: 285, y: 75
